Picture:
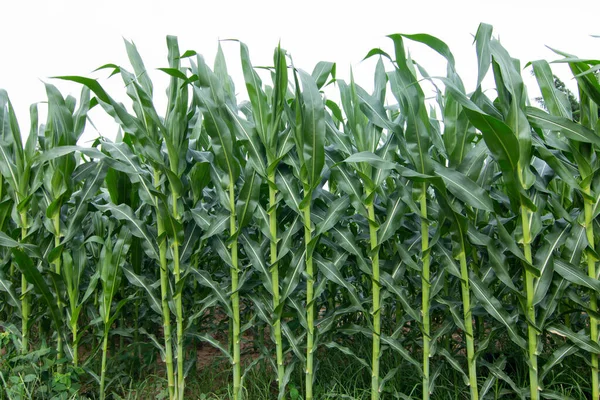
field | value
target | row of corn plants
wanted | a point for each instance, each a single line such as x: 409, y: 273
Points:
x: 451, y: 230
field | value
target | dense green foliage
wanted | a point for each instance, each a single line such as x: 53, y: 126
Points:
x: 405, y: 236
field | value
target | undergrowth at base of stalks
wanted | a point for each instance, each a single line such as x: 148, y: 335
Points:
x: 34, y: 376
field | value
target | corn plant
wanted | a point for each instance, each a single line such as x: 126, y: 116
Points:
x: 580, y: 141
x: 309, y: 136
x: 112, y: 259
x: 268, y: 127
x: 219, y: 111
x: 421, y: 244
x: 371, y: 165
x: 16, y: 166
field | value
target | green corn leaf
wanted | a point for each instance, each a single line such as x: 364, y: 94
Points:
x: 8, y: 122
x: 255, y: 254
x: 294, y: 342
x: 577, y: 338
x: 57, y: 152
x: 550, y: 303
x: 9, y: 169
x: 294, y: 272
x: 434, y: 43
x: 346, y: 240
x: 409, y: 93
x: 312, y: 133
x: 464, y: 188
x: 287, y: 237
x: 500, y: 265
x: 287, y: 186
x: 345, y: 350
x: 213, y: 342
x: 138, y: 66
x: 6, y: 286
x: 334, y: 212
x: 27, y: 268
x: 111, y: 262
x: 8, y: 242
x: 559, y: 165
x: 587, y: 82
x: 556, y: 358
x: 333, y: 274
x: 91, y: 187
x: 375, y: 111
x: 447, y: 260
x: 554, y: 395
x: 348, y: 183
x: 398, y: 348
x: 262, y: 308
x: 114, y: 109
x: 322, y: 71
x: 218, y: 244
x: 191, y: 236
x: 544, y: 261
x: 246, y: 133
x: 123, y: 212
x: 248, y: 199
x: 543, y: 120
x: 496, y: 310
x: 129, y: 164
x: 395, y: 210
x: 575, y: 275
x: 258, y: 98
x: 211, y: 224
x: 388, y: 282
x: 340, y: 141
x: 484, y: 59
x: 313, y: 130
x: 497, y: 369
x: 555, y: 101
x: 205, y: 280
x: 499, y: 137
x: 371, y: 159
x: 223, y: 142
x: 142, y: 282
x: 454, y: 364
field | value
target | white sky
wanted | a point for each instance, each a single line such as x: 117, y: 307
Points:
x: 68, y: 37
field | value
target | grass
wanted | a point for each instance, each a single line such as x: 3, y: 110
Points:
x: 342, y: 377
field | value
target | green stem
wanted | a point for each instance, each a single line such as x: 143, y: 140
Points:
x: 468, y: 318
x: 235, y: 297
x: 122, y: 322
x: 376, y: 305
x: 103, y: 370
x: 591, y: 261
x: 57, y: 270
x: 531, y: 332
x: 275, y: 282
x: 136, y: 263
x: 426, y: 284
x: 475, y: 266
x: 446, y: 339
x: 164, y: 284
x: 73, y: 294
x: 75, y: 344
x: 178, y: 307
x: 24, y: 297
x: 136, y: 327
x: 310, y: 308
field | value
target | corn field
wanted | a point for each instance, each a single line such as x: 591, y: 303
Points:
x: 420, y: 233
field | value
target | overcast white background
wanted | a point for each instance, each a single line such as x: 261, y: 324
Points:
x: 41, y: 39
